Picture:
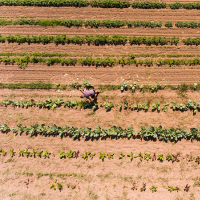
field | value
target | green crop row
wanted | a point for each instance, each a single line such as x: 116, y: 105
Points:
x: 22, y: 62
x: 133, y: 87
x: 52, y: 104
x: 97, y: 40
x: 99, y: 3
x: 157, y: 133
x: 97, y: 23
x: 47, y: 54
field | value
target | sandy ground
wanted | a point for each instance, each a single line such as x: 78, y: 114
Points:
x: 94, y: 179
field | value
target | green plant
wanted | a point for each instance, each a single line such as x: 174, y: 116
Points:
x: 102, y: 156
x: 62, y: 154
x: 169, y: 157
x: 21, y: 152
x: 139, y: 155
x: 133, y: 86
x: 39, y: 153
x: 147, y: 156
x: 12, y: 153
x: 143, y: 188
x: 46, y: 154
x: 26, y: 153
x: 3, y: 152
x: 69, y: 154
x: 87, y: 154
x: 171, y: 188
x: 153, y: 188
x: 161, y: 157
x: 164, y: 108
x: 33, y: 153
x: 124, y: 86
x: 134, y: 186
x: 121, y: 155
x: 110, y: 156
x: 108, y: 106
x: 59, y: 186
x: 130, y: 155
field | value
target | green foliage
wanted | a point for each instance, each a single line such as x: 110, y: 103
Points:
x: 143, y: 188
x: 46, y: 154
x: 102, y: 155
x: 110, y: 156
x: 153, y: 188
x: 121, y: 155
x: 124, y: 86
x: 62, y: 154
x: 59, y: 186
x: 147, y: 156
x: 33, y: 153
x: 21, y: 152
x: 26, y: 153
x: 110, y: 4
x: 3, y: 152
x: 87, y: 84
x: 168, y: 24
x: 130, y: 155
x: 171, y: 188
x: 39, y: 153
x: 12, y: 153
x: 69, y: 154
x: 148, y: 5
x: 169, y: 157
x: 108, y: 106
x: 156, y: 106
x: 88, y: 154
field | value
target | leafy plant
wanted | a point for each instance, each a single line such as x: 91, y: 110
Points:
x: 134, y: 186
x: 21, y: 152
x: 171, y: 188
x: 130, y: 155
x: 26, y: 153
x: 62, y: 154
x: 87, y: 154
x: 12, y: 153
x: 59, y: 186
x: 110, y: 156
x: 139, y: 155
x: 46, y: 154
x: 143, y: 188
x: 108, y: 106
x: 124, y: 86
x: 153, y: 188
x: 147, y: 156
x: 164, y: 108
x: 102, y: 155
x: 160, y: 157
x: 3, y: 152
x: 121, y: 155
x: 39, y: 153
x: 169, y: 157
x: 133, y: 86
x: 175, y: 157
x: 33, y: 153
x: 69, y: 154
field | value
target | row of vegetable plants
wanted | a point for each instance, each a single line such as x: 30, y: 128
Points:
x: 98, y: 23
x: 102, y: 155
x: 99, y: 3
x: 123, y: 87
x: 132, y: 55
x: 22, y: 62
x: 52, y: 104
x: 97, y: 40
x: 92, y: 40
x: 151, y: 133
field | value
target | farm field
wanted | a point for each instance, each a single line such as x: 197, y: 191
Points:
x: 139, y: 140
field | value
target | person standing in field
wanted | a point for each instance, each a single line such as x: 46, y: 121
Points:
x: 90, y: 93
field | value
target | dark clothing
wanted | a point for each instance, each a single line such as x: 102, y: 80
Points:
x: 89, y: 93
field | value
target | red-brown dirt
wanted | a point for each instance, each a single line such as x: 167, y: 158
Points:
x: 94, y: 179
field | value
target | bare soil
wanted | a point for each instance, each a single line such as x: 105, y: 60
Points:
x: 94, y: 179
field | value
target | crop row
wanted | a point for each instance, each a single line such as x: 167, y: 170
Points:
x: 157, y: 133
x: 94, y: 40
x: 124, y: 86
x: 102, y: 155
x: 97, y: 23
x: 22, y: 62
x: 48, y: 54
x: 99, y: 3
x: 52, y: 104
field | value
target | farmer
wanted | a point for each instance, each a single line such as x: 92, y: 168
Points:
x: 88, y: 94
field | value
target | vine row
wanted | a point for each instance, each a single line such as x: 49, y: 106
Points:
x: 99, y: 3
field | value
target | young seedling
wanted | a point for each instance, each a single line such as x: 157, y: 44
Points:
x: 154, y: 157
x: 33, y: 153
x: 70, y: 154
x: 46, y: 154
x: 169, y: 157
x: 62, y: 154
x: 143, y: 188
x: 26, y: 153
x: 139, y: 155
x: 3, y: 152
x: 12, y: 153
x: 171, y: 188
x: 59, y: 186
x: 161, y: 158
x: 53, y: 185
x: 187, y: 187
x: 110, y: 156
x: 121, y: 155
x: 147, y: 156
x: 175, y: 157
x: 102, y: 156
x: 39, y: 153
x: 87, y: 154
x: 153, y: 188
x: 130, y: 155
x: 68, y: 185
x: 92, y: 155
x: 21, y: 152
x: 191, y: 158
x: 75, y: 154
x: 134, y: 186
